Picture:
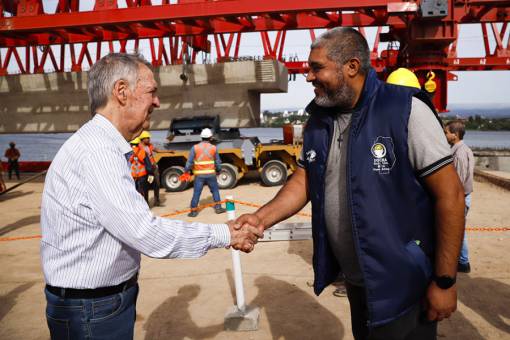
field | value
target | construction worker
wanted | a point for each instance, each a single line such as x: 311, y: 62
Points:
x: 12, y: 154
x: 153, y: 179
x: 205, y: 161
x: 403, y: 76
x: 2, y: 183
x: 138, y: 169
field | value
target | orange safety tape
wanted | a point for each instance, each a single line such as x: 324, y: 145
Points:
x: 258, y: 206
x: 487, y: 229
x: 4, y: 239
x: 19, y: 238
x: 200, y: 207
x: 180, y: 212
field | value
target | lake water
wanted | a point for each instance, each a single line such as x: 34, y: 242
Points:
x: 43, y: 147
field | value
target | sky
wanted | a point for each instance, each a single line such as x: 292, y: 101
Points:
x: 477, y: 88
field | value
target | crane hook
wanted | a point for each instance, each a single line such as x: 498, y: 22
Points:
x: 430, y: 84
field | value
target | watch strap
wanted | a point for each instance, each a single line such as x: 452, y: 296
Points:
x: 444, y: 281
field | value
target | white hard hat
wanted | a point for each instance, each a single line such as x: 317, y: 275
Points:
x: 206, y: 133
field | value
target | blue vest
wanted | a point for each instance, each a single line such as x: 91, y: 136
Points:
x: 392, y: 214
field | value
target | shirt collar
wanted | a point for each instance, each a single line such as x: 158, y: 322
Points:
x: 112, y: 133
x: 456, y: 146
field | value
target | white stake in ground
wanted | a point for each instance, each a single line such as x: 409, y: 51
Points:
x: 239, y: 317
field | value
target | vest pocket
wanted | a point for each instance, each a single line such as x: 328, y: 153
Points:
x: 421, y: 260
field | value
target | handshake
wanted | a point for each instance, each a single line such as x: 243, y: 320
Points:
x: 245, y: 232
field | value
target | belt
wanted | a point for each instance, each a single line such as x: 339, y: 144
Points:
x: 95, y: 293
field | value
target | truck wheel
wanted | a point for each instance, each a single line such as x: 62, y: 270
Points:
x: 274, y: 173
x: 228, y: 176
x: 170, y: 179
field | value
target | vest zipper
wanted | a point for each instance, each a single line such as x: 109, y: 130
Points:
x: 354, y: 127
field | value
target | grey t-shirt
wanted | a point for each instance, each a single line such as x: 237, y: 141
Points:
x: 427, y: 149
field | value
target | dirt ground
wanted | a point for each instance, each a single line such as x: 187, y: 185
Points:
x: 187, y: 299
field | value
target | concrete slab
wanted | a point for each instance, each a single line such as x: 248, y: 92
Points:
x: 58, y: 102
x: 499, y: 178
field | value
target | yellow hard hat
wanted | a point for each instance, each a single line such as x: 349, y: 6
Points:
x: 135, y: 141
x: 403, y: 76
x: 144, y: 134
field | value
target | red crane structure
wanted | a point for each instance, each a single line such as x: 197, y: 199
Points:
x: 422, y: 34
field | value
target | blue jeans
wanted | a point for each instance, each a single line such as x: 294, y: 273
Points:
x: 109, y: 317
x: 142, y: 186
x: 464, y: 254
x: 13, y: 166
x: 211, y: 182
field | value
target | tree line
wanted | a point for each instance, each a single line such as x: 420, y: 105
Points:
x: 478, y: 122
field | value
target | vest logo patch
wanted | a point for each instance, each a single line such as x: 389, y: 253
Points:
x: 311, y: 155
x: 378, y: 150
x: 384, y: 155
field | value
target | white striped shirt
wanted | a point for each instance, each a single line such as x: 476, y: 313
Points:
x: 95, y: 224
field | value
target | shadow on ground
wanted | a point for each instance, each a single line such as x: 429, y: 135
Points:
x: 20, y: 224
x: 14, y: 194
x: 303, y: 249
x: 488, y: 298
x: 172, y: 320
x: 458, y: 327
x: 8, y: 300
x: 294, y: 314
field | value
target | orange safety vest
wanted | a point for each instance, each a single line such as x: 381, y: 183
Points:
x: 151, y: 153
x: 137, y: 165
x: 203, y: 163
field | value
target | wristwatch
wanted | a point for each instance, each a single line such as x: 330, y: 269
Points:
x: 444, y: 281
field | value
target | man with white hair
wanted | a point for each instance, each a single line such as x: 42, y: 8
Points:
x: 95, y: 225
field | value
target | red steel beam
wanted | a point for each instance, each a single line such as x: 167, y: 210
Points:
x: 191, y: 11
x: 425, y: 43
x: 303, y: 21
x: 479, y: 64
x: 477, y: 11
x: 454, y: 64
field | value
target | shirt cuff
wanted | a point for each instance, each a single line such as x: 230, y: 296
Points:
x: 220, y: 236
x: 430, y: 169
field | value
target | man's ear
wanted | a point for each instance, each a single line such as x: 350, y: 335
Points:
x: 353, y: 67
x: 120, y: 91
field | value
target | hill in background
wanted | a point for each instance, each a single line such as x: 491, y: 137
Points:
x: 487, y: 111
x: 462, y: 110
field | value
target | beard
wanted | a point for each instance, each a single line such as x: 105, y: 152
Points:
x: 342, y: 97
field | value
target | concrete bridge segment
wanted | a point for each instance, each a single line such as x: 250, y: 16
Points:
x: 58, y: 102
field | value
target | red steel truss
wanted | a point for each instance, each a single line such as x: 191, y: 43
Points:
x: 35, y: 39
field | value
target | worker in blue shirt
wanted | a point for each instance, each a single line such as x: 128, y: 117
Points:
x: 205, y: 161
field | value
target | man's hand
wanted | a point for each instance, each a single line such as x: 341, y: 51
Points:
x: 244, y: 237
x: 250, y: 220
x: 441, y: 303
